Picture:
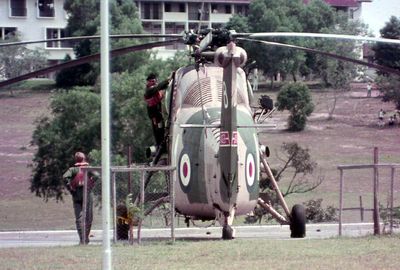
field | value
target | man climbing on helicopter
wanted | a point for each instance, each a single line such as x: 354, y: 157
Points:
x: 153, y: 96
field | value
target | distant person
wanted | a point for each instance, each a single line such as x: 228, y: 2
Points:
x: 369, y: 88
x: 74, y: 181
x: 391, y: 121
x: 153, y: 96
x: 381, y: 114
x: 255, y: 80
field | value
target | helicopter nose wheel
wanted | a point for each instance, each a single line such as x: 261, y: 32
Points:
x: 227, y: 232
x: 298, y: 221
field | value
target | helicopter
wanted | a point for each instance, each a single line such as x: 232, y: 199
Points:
x: 211, y: 136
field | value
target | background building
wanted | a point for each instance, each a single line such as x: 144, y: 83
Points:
x: 45, y: 19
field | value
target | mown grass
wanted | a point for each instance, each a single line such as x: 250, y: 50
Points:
x: 359, y: 253
x: 33, y: 85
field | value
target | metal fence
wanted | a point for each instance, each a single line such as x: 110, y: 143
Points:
x: 376, y: 212
x: 153, y: 200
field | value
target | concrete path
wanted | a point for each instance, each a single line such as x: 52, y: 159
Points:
x: 273, y: 232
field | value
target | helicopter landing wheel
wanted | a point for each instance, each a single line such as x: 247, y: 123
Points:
x: 298, y: 221
x: 227, y: 232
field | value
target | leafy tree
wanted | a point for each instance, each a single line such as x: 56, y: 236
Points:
x: 295, y: 170
x: 275, y: 16
x: 18, y: 60
x: 296, y: 98
x: 389, y: 55
x: 238, y: 23
x: 75, y: 126
x: 84, y: 20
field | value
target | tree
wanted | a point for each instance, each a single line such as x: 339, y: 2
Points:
x: 295, y: 170
x: 296, y: 98
x: 84, y: 20
x: 238, y: 23
x: 74, y: 125
x: 389, y: 55
x: 18, y: 60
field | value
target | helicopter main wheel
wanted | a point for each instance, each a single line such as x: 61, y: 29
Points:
x: 298, y: 221
x: 227, y: 232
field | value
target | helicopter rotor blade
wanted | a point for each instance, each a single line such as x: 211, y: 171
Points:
x: 86, y: 59
x: 122, y: 36
x: 332, y: 55
x: 316, y: 35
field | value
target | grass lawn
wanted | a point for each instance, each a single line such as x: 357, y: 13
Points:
x: 358, y: 253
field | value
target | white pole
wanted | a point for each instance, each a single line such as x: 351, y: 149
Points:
x: 105, y: 132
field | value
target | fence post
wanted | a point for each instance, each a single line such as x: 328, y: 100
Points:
x: 377, y: 229
x: 84, y: 205
x: 141, y: 206
x: 340, y: 202
x: 114, y: 199
x: 172, y: 204
x: 361, y: 209
x: 391, y: 199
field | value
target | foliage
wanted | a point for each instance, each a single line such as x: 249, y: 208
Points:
x: 385, y: 214
x: 334, y: 73
x: 85, y: 21
x: 75, y: 126
x: 19, y: 60
x: 293, y: 174
x: 316, y: 213
x: 238, y: 23
x: 389, y: 55
x: 296, y: 98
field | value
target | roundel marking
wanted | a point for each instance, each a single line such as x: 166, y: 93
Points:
x: 250, y: 169
x: 184, y: 170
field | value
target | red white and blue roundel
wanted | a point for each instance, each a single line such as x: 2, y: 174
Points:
x: 184, y: 170
x: 250, y: 169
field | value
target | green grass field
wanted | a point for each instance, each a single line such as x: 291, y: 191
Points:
x: 358, y: 253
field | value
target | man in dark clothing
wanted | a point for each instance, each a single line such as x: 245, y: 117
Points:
x: 74, y: 181
x: 153, y: 97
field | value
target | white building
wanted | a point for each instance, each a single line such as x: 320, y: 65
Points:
x: 34, y: 20
x: 44, y: 19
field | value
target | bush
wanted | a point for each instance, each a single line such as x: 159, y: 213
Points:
x: 315, y: 212
x: 296, y: 98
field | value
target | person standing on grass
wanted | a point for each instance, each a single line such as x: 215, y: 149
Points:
x: 74, y: 181
x: 369, y: 88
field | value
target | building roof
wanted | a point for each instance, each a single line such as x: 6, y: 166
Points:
x: 205, y: 1
x: 341, y: 3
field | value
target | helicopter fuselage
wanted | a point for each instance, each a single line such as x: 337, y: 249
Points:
x: 196, y: 142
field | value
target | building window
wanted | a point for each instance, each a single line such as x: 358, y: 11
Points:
x: 151, y: 11
x: 18, y: 8
x: 152, y: 27
x: 242, y: 10
x: 45, y: 8
x: 196, y: 12
x: 7, y: 32
x: 175, y: 28
x: 55, y: 33
x: 174, y: 7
